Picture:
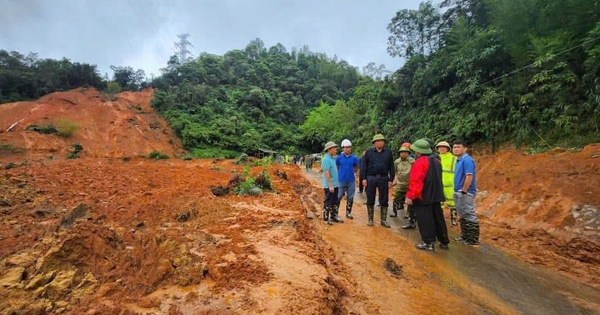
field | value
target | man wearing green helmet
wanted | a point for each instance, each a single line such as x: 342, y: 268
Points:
x: 402, y: 165
x: 425, y: 193
x: 377, y: 174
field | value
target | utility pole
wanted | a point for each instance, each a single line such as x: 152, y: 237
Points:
x: 183, y: 53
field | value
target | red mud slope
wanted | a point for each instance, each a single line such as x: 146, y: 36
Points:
x: 544, y: 207
x: 127, y: 126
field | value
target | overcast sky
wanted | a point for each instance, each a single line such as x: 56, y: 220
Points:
x: 141, y: 34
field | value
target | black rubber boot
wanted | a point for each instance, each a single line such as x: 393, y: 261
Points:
x: 370, y: 213
x: 328, y: 211
x: 325, y: 214
x: 473, y: 233
x: 463, y: 230
x: 384, y: 211
x: 349, y: 209
x: 453, y: 217
x: 394, y: 209
x: 334, y: 215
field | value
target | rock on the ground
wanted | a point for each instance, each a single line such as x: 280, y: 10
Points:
x: 12, y: 278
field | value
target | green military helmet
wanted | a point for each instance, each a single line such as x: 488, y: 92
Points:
x: 378, y: 137
x: 422, y: 146
x: 404, y: 149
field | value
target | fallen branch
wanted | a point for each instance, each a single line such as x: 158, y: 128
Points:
x: 13, y: 125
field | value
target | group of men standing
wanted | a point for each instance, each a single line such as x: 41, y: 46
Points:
x: 423, y: 179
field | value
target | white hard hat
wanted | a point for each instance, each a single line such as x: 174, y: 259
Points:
x: 346, y: 143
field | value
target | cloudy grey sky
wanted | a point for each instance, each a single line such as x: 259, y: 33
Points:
x: 141, y: 33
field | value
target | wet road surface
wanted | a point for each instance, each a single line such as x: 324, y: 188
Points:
x: 526, y: 288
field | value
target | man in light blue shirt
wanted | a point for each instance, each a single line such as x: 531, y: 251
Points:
x: 465, y: 189
x: 330, y: 184
x: 347, y: 164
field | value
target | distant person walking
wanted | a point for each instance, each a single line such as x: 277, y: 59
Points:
x: 465, y: 189
x: 377, y: 174
x: 308, y: 162
x: 448, y: 166
x: 347, y: 164
x: 425, y: 193
x: 330, y: 184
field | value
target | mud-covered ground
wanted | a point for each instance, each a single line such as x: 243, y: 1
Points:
x: 113, y: 232
x: 113, y: 236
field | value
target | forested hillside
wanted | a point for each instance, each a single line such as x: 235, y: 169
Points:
x: 27, y: 77
x: 522, y: 72
x: 251, y: 98
x: 513, y: 71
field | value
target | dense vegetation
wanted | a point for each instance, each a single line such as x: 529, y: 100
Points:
x: 512, y: 71
x: 525, y: 72
x: 251, y: 98
x: 29, y: 77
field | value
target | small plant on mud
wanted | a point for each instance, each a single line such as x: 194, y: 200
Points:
x: 263, y: 180
x: 9, y: 148
x: 253, y: 186
x: 156, y: 155
x: 46, y: 130
x: 65, y: 128
x: 77, y: 148
x: 266, y: 161
x: 187, y: 157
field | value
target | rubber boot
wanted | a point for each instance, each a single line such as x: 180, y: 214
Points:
x: 329, y: 211
x: 453, y: 217
x: 334, y: 215
x: 349, y: 209
x: 473, y: 233
x: 325, y: 214
x: 463, y: 228
x: 384, y: 211
x: 394, y: 209
x: 412, y: 219
x: 370, y: 213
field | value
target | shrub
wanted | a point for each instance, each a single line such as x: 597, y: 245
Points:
x: 247, y: 187
x: 65, y: 128
x: 214, y: 153
x: 156, y: 155
x: 77, y: 148
x: 266, y: 161
x: 46, y: 130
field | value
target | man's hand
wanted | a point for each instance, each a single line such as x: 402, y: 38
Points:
x: 364, y: 183
x: 408, y: 201
x: 331, y: 189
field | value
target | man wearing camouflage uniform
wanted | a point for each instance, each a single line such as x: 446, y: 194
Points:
x: 402, y: 165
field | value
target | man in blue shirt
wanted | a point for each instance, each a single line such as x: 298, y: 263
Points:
x: 465, y: 189
x: 330, y: 184
x: 347, y: 164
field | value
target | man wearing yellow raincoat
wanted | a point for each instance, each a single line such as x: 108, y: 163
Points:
x: 448, y: 166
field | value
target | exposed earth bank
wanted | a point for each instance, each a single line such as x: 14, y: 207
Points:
x: 113, y: 232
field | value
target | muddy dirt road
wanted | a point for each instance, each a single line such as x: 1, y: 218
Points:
x: 484, y: 278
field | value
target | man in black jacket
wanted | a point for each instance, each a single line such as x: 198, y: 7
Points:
x: 377, y: 173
